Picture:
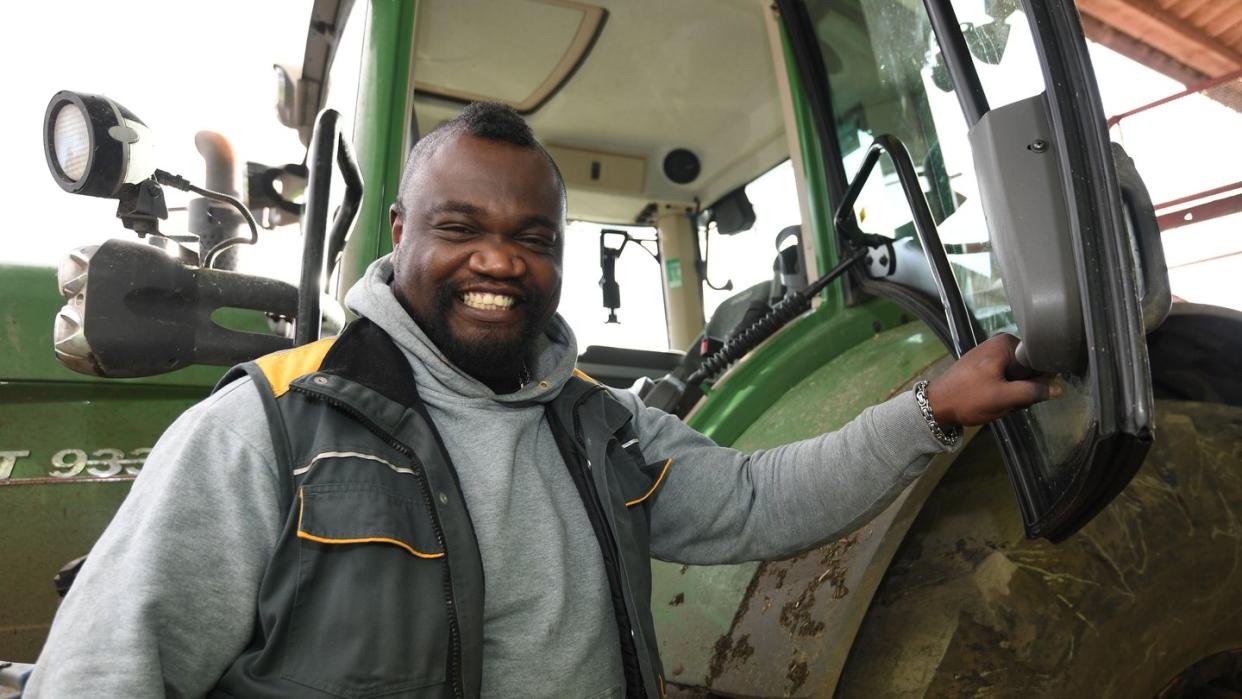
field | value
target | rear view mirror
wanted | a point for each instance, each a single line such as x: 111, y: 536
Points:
x: 733, y: 213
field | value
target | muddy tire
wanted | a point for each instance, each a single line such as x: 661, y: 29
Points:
x: 1153, y: 585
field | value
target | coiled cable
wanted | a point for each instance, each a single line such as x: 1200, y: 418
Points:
x: 784, y: 311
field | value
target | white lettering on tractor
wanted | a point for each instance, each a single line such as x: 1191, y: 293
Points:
x: 8, y: 459
x: 68, y: 463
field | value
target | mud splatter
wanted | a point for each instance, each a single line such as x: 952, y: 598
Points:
x: 796, y: 674
x: 677, y: 600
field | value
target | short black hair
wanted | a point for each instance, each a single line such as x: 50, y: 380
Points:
x: 493, y: 121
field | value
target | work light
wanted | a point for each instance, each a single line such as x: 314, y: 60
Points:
x: 94, y: 145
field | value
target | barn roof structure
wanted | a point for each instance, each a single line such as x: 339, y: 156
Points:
x: 1188, y: 40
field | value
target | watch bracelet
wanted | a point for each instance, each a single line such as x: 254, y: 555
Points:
x: 948, y: 438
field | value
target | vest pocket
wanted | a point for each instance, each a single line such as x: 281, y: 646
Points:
x: 369, y: 616
x: 638, y: 489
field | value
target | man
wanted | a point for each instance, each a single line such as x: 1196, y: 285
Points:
x: 434, y: 503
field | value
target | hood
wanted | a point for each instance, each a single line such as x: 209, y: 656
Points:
x: 556, y: 351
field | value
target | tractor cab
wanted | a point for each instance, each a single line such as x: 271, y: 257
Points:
x: 948, y: 160
x: 780, y: 213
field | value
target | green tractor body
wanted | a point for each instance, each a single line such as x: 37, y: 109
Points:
x: 1088, y: 547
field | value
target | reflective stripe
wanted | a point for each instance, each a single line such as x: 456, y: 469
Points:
x: 345, y: 454
x: 630, y: 443
x: 667, y: 463
x: 365, y: 540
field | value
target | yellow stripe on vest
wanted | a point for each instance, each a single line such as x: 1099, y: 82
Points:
x: 663, y: 472
x: 281, y: 368
x: 365, y: 540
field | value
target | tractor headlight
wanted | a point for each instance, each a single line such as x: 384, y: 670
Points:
x: 94, y: 145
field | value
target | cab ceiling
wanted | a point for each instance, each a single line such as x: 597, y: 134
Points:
x: 660, y: 75
x: 1188, y: 40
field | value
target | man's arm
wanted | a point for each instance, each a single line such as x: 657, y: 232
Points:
x: 166, y: 599
x: 719, y: 506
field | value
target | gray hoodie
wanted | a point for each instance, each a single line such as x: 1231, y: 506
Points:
x: 180, y: 565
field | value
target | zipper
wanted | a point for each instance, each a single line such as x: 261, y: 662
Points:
x: 597, y: 507
x: 579, y: 440
x: 425, y: 488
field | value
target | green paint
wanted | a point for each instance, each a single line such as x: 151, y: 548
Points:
x: 818, y: 202
x: 783, y: 361
x: 46, y: 423
x: 673, y: 272
x: 384, y: 96
x: 50, y: 415
x: 49, y: 526
x: 868, y: 373
x: 824, y: 399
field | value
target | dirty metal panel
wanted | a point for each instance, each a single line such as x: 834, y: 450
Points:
x: 751, y: 387
x: 800, y: 616
x: 1152, y: 585
x: 68, y: 452
x: 47, y: 525
x: 700, y: 609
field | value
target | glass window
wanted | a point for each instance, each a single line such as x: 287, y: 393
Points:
x: 746, y: 258
x: 887, y: 76
x: 640, y: 319
x: 742, y: 259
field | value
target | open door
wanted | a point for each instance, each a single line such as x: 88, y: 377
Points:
x: 987, y: 193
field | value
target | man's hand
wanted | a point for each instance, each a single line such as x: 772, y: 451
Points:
x: 975, y: 390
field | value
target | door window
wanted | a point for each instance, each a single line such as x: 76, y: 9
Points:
x: 888, y: 75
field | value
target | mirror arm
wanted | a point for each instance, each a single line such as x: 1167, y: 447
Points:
x: 961, y: 328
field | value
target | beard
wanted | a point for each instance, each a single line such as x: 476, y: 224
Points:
x: 487, y: 356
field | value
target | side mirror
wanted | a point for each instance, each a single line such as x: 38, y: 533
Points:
x: 1023, y: 198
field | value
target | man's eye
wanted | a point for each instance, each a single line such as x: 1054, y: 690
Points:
x: 539, y: 241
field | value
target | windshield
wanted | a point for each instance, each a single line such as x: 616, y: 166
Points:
x: 734, y: 263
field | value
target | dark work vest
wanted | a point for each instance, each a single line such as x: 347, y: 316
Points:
x: 375, y: 587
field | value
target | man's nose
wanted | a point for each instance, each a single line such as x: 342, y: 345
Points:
x: 497, y: 258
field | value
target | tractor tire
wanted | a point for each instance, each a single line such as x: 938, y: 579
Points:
x: 1144, y: 601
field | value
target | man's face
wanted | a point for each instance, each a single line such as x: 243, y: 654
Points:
x: 477, y: 258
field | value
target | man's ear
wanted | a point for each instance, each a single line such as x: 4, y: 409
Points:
x: 394, y: 222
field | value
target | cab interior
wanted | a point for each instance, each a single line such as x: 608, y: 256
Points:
x: 657, y: 114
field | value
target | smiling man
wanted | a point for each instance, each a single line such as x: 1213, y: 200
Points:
x: 477, y: 257
x: 435, y: 503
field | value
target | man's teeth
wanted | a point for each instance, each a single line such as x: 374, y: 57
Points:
x: 489, y: 302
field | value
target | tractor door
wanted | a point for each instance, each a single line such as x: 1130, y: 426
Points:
x: 967, y: 142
